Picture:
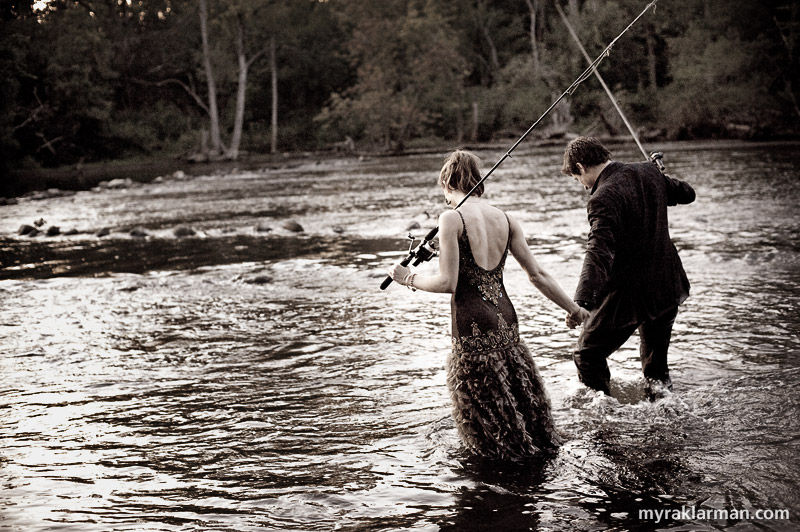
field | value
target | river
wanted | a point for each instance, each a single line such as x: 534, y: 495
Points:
x: 250, y: 377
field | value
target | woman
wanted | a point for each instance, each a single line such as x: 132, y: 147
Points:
x: 499, y: 403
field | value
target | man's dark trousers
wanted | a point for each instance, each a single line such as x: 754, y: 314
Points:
x: 596, y: 344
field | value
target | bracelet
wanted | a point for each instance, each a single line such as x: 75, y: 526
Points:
x: 410, y: 284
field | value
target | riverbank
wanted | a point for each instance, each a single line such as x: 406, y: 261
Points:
x: 142, y: 170
x: 31, y: 181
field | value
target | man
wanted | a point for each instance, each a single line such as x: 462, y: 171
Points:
x: 632, y: 276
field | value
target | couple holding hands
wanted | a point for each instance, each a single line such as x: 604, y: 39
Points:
x: 632, y: 278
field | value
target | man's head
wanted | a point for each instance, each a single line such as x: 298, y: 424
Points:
x: 584, y: 158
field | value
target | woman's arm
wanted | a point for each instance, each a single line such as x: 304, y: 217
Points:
x: 447, y: 278
x: 542, y: 280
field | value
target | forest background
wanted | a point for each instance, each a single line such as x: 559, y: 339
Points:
x: 89, y: 82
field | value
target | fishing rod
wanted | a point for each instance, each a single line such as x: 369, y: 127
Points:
x: 653, y: 156
x: 425, y: 250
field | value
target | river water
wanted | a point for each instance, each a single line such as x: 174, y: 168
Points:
x: 249, y: 377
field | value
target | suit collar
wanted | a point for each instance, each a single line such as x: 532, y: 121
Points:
x: 607, y: 171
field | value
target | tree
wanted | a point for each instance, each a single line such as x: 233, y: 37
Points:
x: 65, y: 87
x: 410, y: 76
x: 217, y: 147
x: 238, y: 15
x: 239, y: 22
x: 722, y: 70
x: 786, y: 58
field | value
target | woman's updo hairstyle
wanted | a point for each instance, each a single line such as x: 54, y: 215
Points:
x: 461, y: 171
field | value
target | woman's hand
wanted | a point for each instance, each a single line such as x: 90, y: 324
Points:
x: 399, y: 274
x: 574, y: 319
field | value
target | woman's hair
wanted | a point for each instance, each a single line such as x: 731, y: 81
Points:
x: 461, y: 171
x: 585, y: 150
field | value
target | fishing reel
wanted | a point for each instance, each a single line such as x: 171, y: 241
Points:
x: 424, y: 252
x: 656, y: 157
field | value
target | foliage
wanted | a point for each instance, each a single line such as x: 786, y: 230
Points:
x: 98, y: 79
x: 409, y: 77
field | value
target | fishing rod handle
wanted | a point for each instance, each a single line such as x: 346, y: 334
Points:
x: 386, y: 282
x: 414, y: 253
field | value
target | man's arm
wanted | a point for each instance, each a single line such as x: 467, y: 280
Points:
x: 599, y: 254
x: 678, y: 192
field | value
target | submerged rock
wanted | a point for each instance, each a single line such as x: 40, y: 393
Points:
x: 261, y: 279
x: 71, y: 232
x: 105, y: 231
x: 337, y: 229
x: 263, y: 229
x: 116, y: 183
x: 131, y: 288
x: 183, y: 231
x: 413, y: 225
x: 53, y: 230
x: 292, y: 226
x: 26, y: 229
x: 138, y: 233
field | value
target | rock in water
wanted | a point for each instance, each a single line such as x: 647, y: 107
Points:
x: 119, y: 183
x: 293, y: 226
x: 138, y: 233
x: 413, y: 225
x: 25, y: 229
x: 53, y: 230
x: 183, y: 231
x: 105, y: 231
x: 260, y: 279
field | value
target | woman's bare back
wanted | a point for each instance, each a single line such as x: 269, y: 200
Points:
x: 487, y: 230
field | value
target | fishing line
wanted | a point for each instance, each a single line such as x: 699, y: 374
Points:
x: 425, y: 250
x: 600, y: 79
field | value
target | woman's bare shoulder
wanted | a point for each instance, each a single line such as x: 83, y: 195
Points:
x: 449, y: 215
x: 513, y: 224
x: 450, y: 221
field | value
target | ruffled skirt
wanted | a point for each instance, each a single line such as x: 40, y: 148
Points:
x: 500, y: 405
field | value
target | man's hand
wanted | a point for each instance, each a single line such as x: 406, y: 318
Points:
x: 576, y: 318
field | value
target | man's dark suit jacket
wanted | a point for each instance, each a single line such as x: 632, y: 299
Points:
x: 632, y: 273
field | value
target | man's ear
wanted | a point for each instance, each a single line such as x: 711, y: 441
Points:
x: 581, y: 168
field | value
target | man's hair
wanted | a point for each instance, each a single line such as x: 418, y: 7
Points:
x: 461, y: 171
x: 585, y: 150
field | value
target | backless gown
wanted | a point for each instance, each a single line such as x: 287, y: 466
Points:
x: 500, y: 405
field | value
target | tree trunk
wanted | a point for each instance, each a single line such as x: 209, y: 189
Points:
x: 241, y: 93
x: 492, y: 48
x: 484, y: 22
x: 213, y: 113
x: 652, y: 67
x: 475, y: 121
x: 573, y: 7
x: 532, y: 7
x: 273, y: 66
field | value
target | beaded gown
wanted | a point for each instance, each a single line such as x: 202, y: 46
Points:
x: 500, y: 405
